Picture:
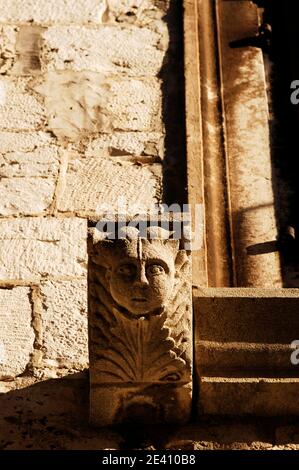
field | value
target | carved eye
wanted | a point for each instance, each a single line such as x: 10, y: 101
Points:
x: 127, y: 270
x: 155, y: 270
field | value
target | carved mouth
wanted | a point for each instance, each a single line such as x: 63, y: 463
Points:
x: 139, y: 299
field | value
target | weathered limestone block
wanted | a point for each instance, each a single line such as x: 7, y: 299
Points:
x: 8, y: 36
x: 82, y: 104
x: 27, y: 196
x: 95, y: 185
x: 16, y: 332
x: 64, y: 324
x: 131, y: 51
x: 52, y: 11
x: 33, y: 154
x: 136, y: 11
x: 33, y: 248
x: 25, y: 141
x: 19, y: 107
x: 140, y: 328
x: 137, y: 144
x: 29, y: 166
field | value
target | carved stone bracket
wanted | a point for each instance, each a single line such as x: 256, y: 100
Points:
x: 140, y: 327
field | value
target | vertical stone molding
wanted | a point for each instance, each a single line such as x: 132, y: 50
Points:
x: 140, y: 327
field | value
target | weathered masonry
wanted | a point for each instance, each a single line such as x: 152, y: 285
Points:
x: 106, y: 104
x: 246, y: 303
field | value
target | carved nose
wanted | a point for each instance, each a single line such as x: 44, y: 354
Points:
x: 141, y: 278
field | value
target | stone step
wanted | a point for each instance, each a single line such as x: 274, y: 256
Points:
x: 220, y: 358
x: 258, y: 396
x: 244, y: 358
x: 246, y: 330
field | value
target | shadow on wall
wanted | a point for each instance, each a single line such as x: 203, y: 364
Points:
x: 53, y: 415
x: 173, y: 109
x: 50, y: 414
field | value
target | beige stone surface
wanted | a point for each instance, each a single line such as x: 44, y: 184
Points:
x: 26, y: 142
x: 16, y: 333
x: 28, y: 155
x: 63, y: 326
x: 19, y: 108
x: 137, y: 144
x: 29, y: 164
x: 95, y: 185
x: 136, y: 11
x: 80, y: 105
x: 135, y: 105
x: 26, y: 196
x: 8, y: 36
x: 33, y: 248
x: 52, y: 11
x: 131, y: 51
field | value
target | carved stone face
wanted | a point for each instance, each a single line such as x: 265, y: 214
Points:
x: 143, y: 280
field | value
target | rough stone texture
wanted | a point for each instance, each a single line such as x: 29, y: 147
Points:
x: 13, y: 142
x: 78, y: 106
x: 137, y: 144
x: 48, y: 11
x: 27, y: 196
x: 140, y: 12
x: 82, y: 104
x: 130, y: 51
x: 19, y: 108
x: 63, y: 326
x: 28, y: 155
x: 29, y: 166
x: 8, y: 35
x: 16, y: 332
x: 95, y: 185
x: 140, y: 328
x: 34, y: 248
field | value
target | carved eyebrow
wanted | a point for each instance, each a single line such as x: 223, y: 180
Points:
x: 160, y: 262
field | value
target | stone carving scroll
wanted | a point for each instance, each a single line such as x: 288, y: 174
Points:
x: 140, y: 328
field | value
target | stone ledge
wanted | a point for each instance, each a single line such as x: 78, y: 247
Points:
x: 255, y: 396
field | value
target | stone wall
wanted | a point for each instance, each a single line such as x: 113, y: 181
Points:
x: 89, y: 92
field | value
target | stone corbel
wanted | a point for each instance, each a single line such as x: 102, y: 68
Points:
x: 140, y: 327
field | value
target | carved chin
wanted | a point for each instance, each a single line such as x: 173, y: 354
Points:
x: 140, y: 307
